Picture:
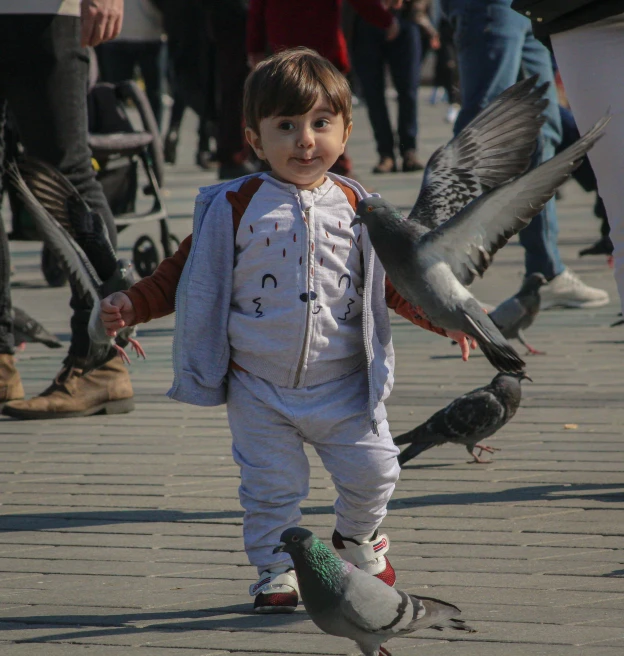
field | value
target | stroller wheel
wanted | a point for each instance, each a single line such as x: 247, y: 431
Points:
x: 52, y: 272
x: 145, y: 256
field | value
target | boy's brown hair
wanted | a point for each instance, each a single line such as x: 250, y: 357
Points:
x: 289, y: 83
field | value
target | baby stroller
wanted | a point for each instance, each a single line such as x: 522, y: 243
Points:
x: 118, y: 151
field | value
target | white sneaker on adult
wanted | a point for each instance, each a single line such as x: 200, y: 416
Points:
x: 567, y: 290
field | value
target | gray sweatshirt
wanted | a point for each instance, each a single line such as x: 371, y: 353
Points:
x: 201, y: 345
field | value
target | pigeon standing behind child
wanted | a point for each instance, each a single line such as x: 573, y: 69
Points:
x: 518, y: 313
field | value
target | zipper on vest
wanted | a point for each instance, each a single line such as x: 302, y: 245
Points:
x: 306, y: 333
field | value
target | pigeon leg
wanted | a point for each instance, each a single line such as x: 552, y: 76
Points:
x: 488, y: 449
x: 137, y: 347
x: 122, y: 354
x: 384, y: 652
x: 476, y: 458
x: 530, y: 349
x: 20, y: 347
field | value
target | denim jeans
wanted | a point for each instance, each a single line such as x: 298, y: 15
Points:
x: 43, y: 77
x: 495, y: 48
x: 371, y: 52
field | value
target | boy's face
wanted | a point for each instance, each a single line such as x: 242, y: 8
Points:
x: 301, y: 149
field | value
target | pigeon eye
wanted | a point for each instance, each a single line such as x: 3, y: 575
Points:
x: 295, y: 538
x: 369, y: 208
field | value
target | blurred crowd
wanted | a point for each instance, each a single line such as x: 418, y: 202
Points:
x: 196, y: 54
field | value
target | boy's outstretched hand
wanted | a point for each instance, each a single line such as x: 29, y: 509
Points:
x: 465, y: 342
x: 116, y: 311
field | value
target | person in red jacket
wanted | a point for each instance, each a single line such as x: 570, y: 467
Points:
x: 274, y: 25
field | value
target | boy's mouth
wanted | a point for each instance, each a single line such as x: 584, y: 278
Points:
x: 305, y: 161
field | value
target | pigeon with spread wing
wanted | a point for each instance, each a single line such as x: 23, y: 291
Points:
x: 58, y: 196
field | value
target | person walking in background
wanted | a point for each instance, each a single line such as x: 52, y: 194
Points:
x: 275, y: 25
x: 372, y: 52
x: 587, y: 39
x: 496, y: 47
x: 43, y: 79
x: 140, y: 43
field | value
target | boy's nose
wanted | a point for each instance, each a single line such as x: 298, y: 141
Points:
x: 305, y: 137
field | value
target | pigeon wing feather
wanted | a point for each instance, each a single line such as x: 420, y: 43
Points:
x: 469, y: 240
x: 494, y: 147
x: 67, y: 252
x: 373, y: 606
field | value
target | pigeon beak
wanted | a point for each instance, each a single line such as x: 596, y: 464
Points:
x: 280, y: 547
x: 525, y: 377
x: 357, y: 219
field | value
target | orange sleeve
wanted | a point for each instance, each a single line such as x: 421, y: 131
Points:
x: 154, y: 296
x: 397, y: 303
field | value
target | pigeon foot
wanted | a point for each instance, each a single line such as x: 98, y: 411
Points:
x: 122, y: 354
x: 532, y: 351
x: 140, y: 351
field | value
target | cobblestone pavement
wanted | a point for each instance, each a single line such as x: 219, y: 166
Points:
x: 122, y: 534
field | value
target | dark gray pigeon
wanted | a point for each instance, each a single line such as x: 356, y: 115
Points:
x: 429, y: 268
x: 513, y: 316
x: 28, y: 329
x: 80, y: 271
x: 467, y: 420
x: 345, y: 601
x: 493, y: 148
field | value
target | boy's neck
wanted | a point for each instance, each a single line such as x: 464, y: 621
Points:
x: 308, y: 187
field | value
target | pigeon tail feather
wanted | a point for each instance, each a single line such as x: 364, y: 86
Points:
x: 495, y: 347
x: 414, y: 450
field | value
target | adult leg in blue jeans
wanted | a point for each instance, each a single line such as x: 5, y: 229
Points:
x: 495, y: 48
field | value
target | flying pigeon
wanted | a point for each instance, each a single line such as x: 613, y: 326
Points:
x: 467, y: 420
x: 27, y: 329
x: 345, y: 601
x: 513, y: 316
x: 81, y: 273
x: 429, y: 268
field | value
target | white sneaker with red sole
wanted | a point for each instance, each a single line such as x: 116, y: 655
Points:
x: 368, y: 555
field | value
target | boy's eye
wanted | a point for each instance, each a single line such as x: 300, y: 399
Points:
x: 321, y: 123
x: 285, y: 126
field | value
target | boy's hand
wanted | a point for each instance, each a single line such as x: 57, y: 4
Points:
x: 116, y: 311
x: 465, y: 342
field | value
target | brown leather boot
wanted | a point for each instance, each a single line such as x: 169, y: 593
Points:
x: 386, y: 164
x: 10, y: 382
x: 411, y: 162
x: 73, y: 393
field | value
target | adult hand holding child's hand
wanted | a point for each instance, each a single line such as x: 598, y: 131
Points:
x: 116, y: 311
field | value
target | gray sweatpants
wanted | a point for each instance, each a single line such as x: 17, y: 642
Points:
x: 269, y: 426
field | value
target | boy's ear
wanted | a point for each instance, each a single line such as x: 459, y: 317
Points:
x: 345, y: 136
x: 255, y: 142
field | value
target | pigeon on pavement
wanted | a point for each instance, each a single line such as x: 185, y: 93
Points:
x: 513, y: 316
x: 429, y: 268
x: 348, y: 602
x: 81, y: 273
x: 28, y: 329
x: 467, y: 420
